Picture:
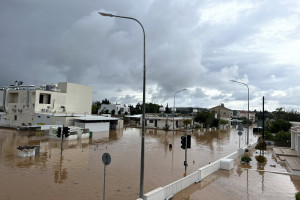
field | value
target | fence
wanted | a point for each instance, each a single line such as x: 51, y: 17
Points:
x: 168, y: 191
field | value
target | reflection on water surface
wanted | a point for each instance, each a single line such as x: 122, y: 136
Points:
x: 78, y: 173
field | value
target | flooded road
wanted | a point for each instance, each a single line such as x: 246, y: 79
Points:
x: 78, y: 173
x: 245, y: 182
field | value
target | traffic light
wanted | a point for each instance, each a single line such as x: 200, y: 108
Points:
x: 188, y: 141
x: 183, y: 140
x: 58, y: 132
x: 66, y: 131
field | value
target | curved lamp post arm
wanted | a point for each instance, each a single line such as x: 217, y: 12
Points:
x: 144, y: 105
x: 174, y: 105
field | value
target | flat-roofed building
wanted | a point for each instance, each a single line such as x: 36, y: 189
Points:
x: 26, y: 105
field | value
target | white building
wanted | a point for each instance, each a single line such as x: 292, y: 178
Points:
x: 114, y: 108
x: 47, y: 104
x: 162, y: 122
x: 295, y: 139
x: 98, y: 123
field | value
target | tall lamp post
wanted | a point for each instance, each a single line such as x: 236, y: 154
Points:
x: 174, y: 106
x: 144, y: 105
x: 248, y: 109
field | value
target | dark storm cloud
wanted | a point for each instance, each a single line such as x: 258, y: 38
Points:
x: 196, y: 45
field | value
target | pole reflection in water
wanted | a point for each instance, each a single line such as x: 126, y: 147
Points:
x: 60, y: 174
x: 80, y: 168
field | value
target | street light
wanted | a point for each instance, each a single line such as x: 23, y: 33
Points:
x: 144, y: 105
x: 248, y: 108
x: 174, y: 106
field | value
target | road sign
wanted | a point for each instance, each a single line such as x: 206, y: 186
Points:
x: 106, y: 159
x: 240, y: 128
x: 240, y: 133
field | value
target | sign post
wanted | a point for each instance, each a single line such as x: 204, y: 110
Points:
x: 106, y: 159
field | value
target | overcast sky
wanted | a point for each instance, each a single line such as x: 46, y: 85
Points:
x: 198, y: 45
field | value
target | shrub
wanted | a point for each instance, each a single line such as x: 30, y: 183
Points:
x: 223, y: 121
x: 261, y: 145
x: 282, y: 136
x: 246, y: 158
x: 297, y: 195
x: 197, y: 127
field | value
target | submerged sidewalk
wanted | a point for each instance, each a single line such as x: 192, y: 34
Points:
x: 289, y: 158
x: 245, y: 182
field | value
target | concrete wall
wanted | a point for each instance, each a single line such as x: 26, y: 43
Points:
x: 78, y: 97
x: 168, y: 191
x: 94, y: 127
x: 42, y: 119
x: 57, y: 100
x: 161, y: 122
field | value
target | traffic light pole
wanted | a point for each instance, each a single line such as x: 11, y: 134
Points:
x: 185, y: 162
x: 62, y: 140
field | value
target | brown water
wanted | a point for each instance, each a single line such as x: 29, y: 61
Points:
x: 245, y: 182
x: 78, y: 174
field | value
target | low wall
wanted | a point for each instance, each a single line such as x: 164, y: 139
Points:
x: 168, y: 191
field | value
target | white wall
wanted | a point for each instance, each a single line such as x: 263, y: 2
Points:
x: 42, y: 119
x: 168, y: 191
x: 94, y: 127
x: 78, y: 97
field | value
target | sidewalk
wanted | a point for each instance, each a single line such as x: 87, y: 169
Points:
x: 290, y: 159
x: 245, y: 182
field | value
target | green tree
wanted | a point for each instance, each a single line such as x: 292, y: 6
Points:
x: 113, y: 112
x: 105, y: 101
x: 278, y: 130
x: 168, y: 110
x: 279, y: 125
x: 186, y: 122
x: 152, y: 108
x: 261, y: 145
x: 95, y: 107
x: 206, y: 117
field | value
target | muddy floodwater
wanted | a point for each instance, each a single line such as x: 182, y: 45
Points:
x: 78, y: 173
x: 246, y: 181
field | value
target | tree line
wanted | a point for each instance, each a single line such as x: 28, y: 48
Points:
x: 137, y: 109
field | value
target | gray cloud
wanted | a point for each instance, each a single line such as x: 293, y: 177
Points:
x: 198, y: 45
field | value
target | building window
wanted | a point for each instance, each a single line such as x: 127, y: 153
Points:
x: 45, y: 98
x: 13, y: 97
x: 16, y: 117
x: 151, y: 121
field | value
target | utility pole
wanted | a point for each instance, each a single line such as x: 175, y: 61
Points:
x: 263, y: 119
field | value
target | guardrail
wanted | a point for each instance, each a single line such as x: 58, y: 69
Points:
x: 168, y: 191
